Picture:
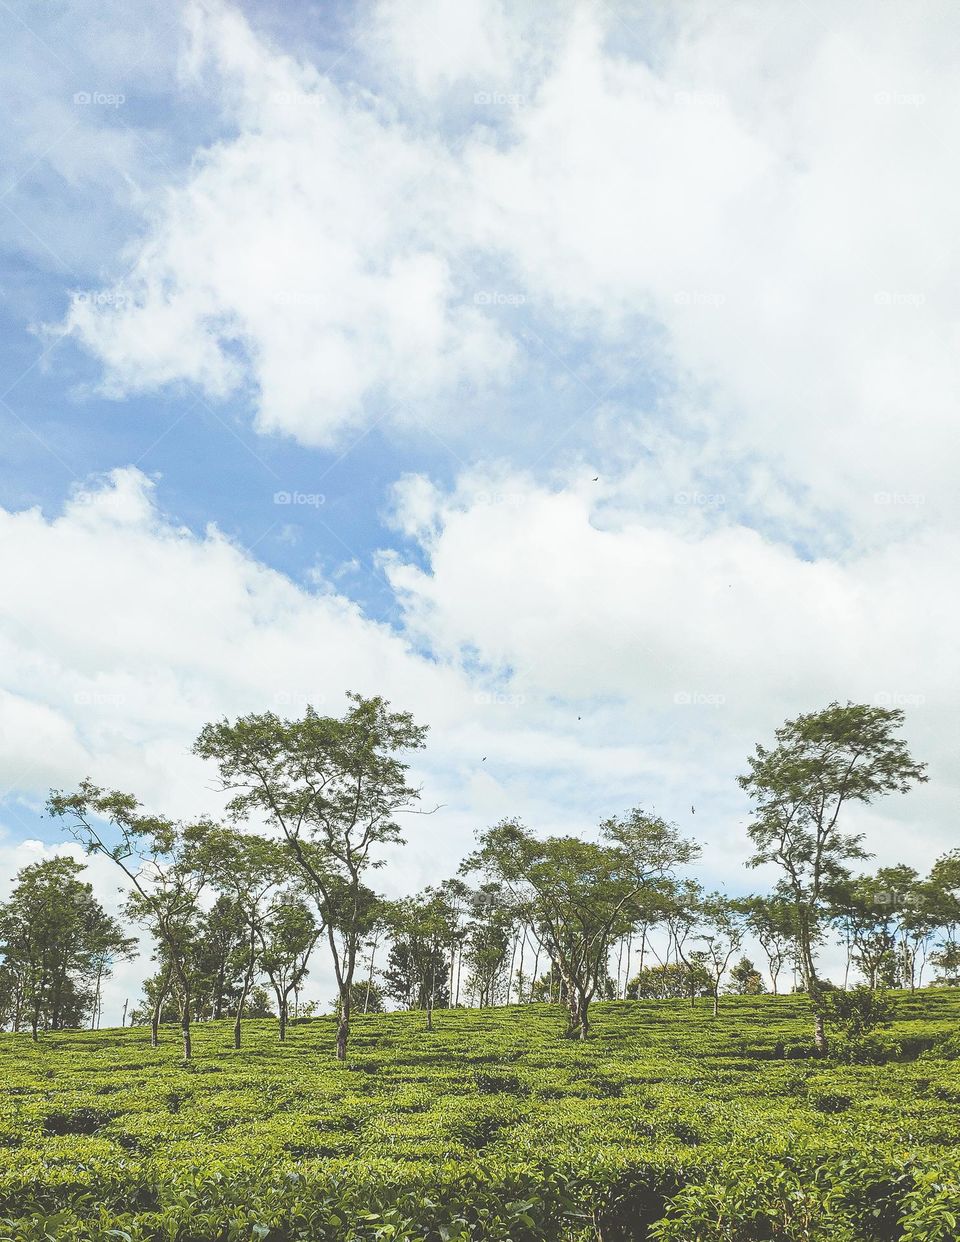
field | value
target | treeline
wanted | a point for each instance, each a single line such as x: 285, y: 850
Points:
x: 236, y: 910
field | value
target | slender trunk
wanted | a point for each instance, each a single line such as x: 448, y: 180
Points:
x: 366, y: 999
x: 247, y: 982
x: 158, y: 1010
x: 343, y: 1027
x: 123, y: 1016
x: 183, y: 980
x: 716, y: 1002
x: 282, y: 1011
x: 218, y: 993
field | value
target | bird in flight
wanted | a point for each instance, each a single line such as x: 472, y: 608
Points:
x: 692, y: 811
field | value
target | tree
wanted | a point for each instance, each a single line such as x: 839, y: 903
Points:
x: 167, y: 865
x: 672, y: 981
x: 771, y: 920
x: 249, y: 868
x: 421, y: 928
x: 868, y: 909
x: 822, y: 761
x: 491, y: 923
x: 333, y: 788
x: 287, y: 937
x: 724, y: 925
x: 745, y: 979
x: 219, y: 958
x: 57, y: 944
x: 577, y: 893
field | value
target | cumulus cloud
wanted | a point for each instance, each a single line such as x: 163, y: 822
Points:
x: 741, y: 196
x: 305, y: 256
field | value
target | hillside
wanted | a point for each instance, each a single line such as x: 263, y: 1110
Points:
x: 491, y: 1127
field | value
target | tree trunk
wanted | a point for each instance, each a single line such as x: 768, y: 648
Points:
x: 185, y: 1026
x: 184, y: 982
x: 282, y: 1011
x: 343, y: 1028
x: 716, y: 1003
x: 158, y: 1010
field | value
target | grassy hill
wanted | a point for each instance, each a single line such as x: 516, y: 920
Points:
x: 490, y: 1127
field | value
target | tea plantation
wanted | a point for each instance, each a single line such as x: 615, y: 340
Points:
x: 666, y: 1125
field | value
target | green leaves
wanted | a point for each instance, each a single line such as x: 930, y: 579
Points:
x: 492, y: 1131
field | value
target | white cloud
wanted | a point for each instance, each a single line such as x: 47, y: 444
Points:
x: 759, y: 209
x: 686, y: 644
x: 312, y: 241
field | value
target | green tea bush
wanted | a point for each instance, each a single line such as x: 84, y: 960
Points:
x: 667, y: 1125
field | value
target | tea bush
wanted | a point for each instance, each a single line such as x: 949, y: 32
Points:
x: 667, y: 1125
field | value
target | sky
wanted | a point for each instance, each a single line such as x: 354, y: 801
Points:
x: 583, y: 378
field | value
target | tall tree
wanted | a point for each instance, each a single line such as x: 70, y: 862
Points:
x: 57, y: 944
x: 579, y: 893
x: 333, y: 787
x: 821, y: 762
x: 287, y: 937
x: 722, y: 924
x: 771, y: 920
x: 421, y: 928
x: 167, y: 865
x: 249, y: 868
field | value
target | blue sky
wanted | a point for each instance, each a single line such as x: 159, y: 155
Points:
x: 608, y: 355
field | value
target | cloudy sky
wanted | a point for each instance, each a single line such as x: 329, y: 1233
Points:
x: 582, y: 377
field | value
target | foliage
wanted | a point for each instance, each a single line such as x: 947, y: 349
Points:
x: 668, y: 1125
x: 333, y: 787
x: 822, y: 762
